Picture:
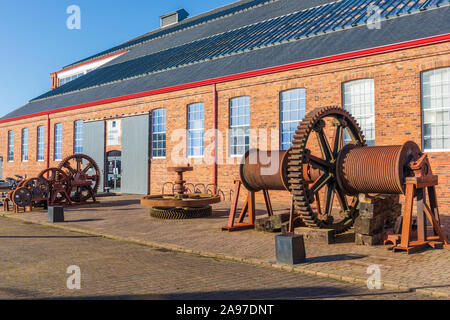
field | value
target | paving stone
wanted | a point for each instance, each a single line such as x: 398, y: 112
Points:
x: 122, y: 270
x: 123, y: 218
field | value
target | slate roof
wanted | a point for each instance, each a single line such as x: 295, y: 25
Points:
x: 271, y: 34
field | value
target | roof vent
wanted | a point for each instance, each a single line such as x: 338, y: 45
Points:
x: 173, y: 17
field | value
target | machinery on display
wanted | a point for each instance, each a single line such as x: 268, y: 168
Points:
x: 326, y: 178
x: 180, y: 204
x: 74, y: 181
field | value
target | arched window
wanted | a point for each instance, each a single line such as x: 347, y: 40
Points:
x: 359, y: 100
x: 436, y: 109
x: 292, y: 111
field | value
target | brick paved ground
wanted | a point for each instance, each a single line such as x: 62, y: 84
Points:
x: 34, y: 260
x: 123, y: 218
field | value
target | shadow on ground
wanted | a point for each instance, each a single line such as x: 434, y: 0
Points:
x: 46, y: 237
x: 336, y: 257
x: 258, y: 294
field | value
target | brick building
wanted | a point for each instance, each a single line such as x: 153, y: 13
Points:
x: 259, y: 64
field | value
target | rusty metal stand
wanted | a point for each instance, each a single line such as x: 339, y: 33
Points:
x: 417, y: 188
x: 247, y: 209
x: 61, y: 190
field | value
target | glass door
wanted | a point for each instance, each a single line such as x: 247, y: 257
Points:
x: 114, y: 169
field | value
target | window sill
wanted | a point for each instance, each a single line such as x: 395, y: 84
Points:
x: 437, y: 151
x: 159, y: 158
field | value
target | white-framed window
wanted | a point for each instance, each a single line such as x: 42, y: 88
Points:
x: 159, y: 133
x: 114, y: 133
x: 58, y: 141
x: 78, y: 136
x: 292, y: 112
x: 196, y: 129
x: 24, y: 145
x: 40, y: 143
x: 239, y: 126
x: 65, y: 80
x: 359, y: 100
x: 436, y: 109
x: 10, y: 146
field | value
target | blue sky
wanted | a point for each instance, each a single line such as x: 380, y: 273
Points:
x: 36, y: 41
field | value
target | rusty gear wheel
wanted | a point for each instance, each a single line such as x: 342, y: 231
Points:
x: 181, y: 213
x: 39, y: 187
x: 22, y: 197
x: 306, y: 193
x: 77, y: 167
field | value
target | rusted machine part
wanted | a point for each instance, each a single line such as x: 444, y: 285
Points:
x: 179, y: 187
x: 180, y: 205
x: 190, y: 201
x: 55, y: 176
x: 84, y: 185
x: 22, y: 197
x: 376, y: 169
x: 181, y: 213
x: 254, y: 174
x: 59, y: 184
x: 305, y: 185
x: 39, y: 188
x: 267, y: 174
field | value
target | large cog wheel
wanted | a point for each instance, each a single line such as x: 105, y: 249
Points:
x: 306, y: 192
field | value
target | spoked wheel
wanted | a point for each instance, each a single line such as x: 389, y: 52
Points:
x: 22, y: 197
x: 56, y: 178
x: 312, y: 178
x: 39, y: 187
x: 84, y: 173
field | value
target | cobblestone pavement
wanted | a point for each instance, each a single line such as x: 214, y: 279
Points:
x: 122, y: 217
x: 34, y: 260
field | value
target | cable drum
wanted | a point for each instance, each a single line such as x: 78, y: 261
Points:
x: 375, y: 169
x: 264, y: 170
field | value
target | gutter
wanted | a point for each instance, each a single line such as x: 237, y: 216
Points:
x: 48, y: 141
x: 215, y: 146
x: 250, y: 74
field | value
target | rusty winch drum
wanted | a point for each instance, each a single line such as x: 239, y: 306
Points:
x: 261, y: 174
x: 375, y: 169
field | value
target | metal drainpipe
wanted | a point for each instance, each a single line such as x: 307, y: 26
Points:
x: 48, y: 141
x: 215, y: 147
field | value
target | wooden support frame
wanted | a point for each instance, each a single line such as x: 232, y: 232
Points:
x: 248, y: 210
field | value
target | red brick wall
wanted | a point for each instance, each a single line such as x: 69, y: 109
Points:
x: 397, y: 77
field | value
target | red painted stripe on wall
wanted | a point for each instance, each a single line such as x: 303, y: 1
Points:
x: 297, y: 65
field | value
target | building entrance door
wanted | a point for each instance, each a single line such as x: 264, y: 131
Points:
x: 114, y: 169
